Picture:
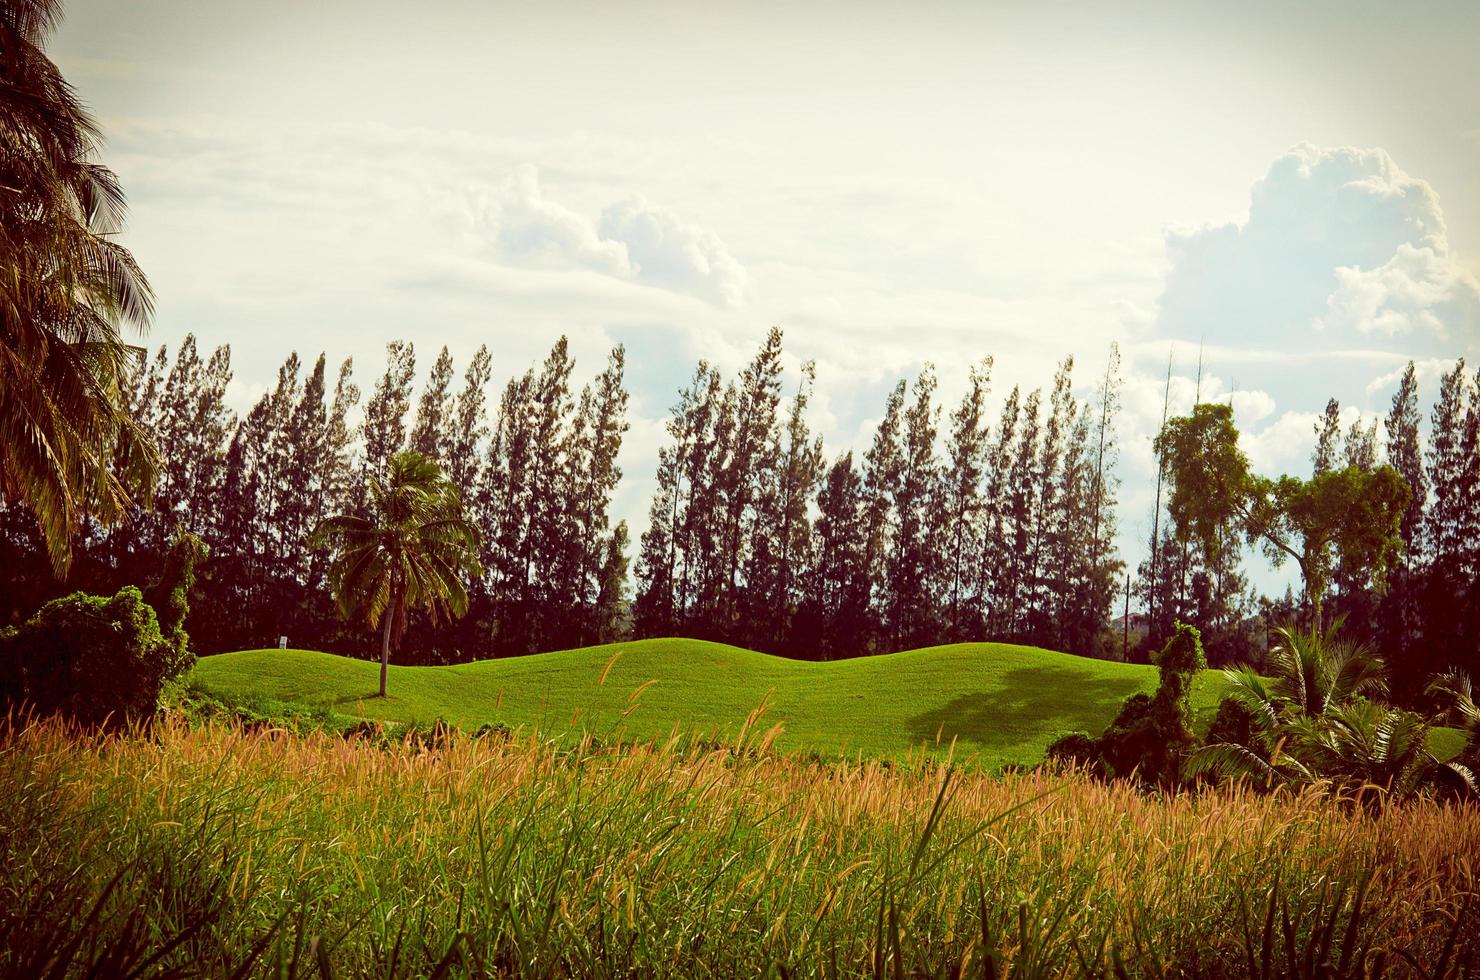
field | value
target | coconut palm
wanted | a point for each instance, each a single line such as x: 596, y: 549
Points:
x: 410, y: 552
x: 68, y: 446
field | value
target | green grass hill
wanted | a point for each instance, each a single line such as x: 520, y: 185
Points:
x: 1001, y: 703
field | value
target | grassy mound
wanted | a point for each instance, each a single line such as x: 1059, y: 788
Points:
x: 1000, y: 703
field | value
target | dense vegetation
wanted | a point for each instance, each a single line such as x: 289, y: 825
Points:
x: 493, y: 857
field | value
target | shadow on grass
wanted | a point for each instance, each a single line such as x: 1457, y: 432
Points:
x: 1044, y: 699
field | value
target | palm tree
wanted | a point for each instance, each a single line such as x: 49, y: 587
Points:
x: 1315, y: 670
x: 68, y: 446
x: 1456, y: 693
x: 410, y: 552
x: 1310, y: 720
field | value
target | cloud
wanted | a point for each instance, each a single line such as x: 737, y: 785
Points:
x: 668, y: 251
x: 1426, y: 371
x: 632, y: 240
x: 1416, y: 291
x: 1340, y: 246
x: 523, y: 228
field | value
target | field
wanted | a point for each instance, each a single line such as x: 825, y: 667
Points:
x: 208, y: 850
x: 999, y: 703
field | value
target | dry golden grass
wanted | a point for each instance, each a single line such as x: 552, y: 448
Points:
x: 486, y: 857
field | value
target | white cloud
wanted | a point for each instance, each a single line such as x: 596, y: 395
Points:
x: 1426, y: 371
x: 632, y: 240
x: 667, y: 251
x: 1416, y: 291
x: 523, y: 228
x: 1339, y: 244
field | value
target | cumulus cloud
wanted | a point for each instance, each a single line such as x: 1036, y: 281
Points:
x: 668, y: 251
x: 1416, y: 291
x: 632, y: 240
x: 524, y: 228
x: 1427, y: 372
x: 1340, y: 246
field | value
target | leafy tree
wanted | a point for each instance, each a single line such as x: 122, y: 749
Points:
x: 779, y: 528
x: 1405, y: 455
x: 68, y: 290
x: 611, y: 613
x: 1342, y: 517
x: 1152, y: 735
x: 662, y: 604
x: 996, y: 545
x: 596, y: 552
x: 468, y: 425
x: 834, y: 619
x: 911, y: 584
x: 1021, y: 517
x: 95, y: 659
x: 750, y: 458
x: 1448, y: 472
x: 1328, y: 439
x: 1046, y: 576
x: 410, y: 552
x: 883, y: 466
x: 170, y: 597
x: 1361, y: 445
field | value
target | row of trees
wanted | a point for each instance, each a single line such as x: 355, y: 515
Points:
x: 757, y: 538
x: 536, y: 473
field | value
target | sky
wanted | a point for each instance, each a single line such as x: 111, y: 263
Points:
x: 1288, y: 194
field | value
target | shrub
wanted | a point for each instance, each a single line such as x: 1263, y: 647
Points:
x: 91, y: 658
x: 1152, y: 733
x: 1078, y: 749
x: 1234, y: 724
x: 170, y: 595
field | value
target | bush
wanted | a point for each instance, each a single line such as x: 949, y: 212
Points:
x: 91, y: 658
x: 170, y: 595
x: 1234, y: 724
x: 1152, y: 733
x: 1078, y: 749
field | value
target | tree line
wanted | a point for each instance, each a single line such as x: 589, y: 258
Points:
x: 946, y: 529
x: 536, y: 473
x: 943, y: 530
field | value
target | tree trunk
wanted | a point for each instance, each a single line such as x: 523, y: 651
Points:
x: 385, y: 644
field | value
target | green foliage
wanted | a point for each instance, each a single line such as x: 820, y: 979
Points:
x: 1349, y: 519
x: 411, y: 551
x: 1311, y: 720
x: 69, y: 448
x: 92, y: 658
x: 170, y: 597
x: 1153, y: 732
x: 1235, y: 723
x: 1209, y: 474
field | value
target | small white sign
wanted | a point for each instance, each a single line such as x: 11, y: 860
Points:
x: 282, y: 643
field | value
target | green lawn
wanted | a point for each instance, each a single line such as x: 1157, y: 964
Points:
x: 1000, y: 703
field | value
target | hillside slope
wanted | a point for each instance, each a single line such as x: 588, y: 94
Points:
x: 1001, y: 703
